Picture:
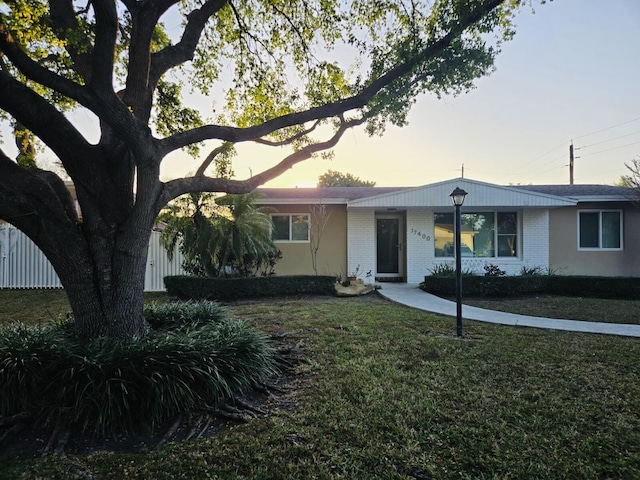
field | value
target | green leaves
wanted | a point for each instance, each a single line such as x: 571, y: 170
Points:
x: 230, y: 236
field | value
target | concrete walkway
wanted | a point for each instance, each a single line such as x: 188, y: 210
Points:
x: 410, y: 295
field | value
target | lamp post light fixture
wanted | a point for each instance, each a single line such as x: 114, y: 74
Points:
x: 457, y: 197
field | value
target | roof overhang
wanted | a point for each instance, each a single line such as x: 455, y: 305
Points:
x: 480, y: 195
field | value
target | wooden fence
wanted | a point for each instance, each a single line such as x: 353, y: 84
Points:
x: 23, y: 265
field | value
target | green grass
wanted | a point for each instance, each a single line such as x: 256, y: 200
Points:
x: 570, y: 308
x: 389, y: 392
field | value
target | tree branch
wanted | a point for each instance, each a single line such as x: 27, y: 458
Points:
x: 39, y: 74
x: 104, y: 46
x: 51, y: 126
x: 175, y: 188
x: 184, y: 50
x: 357, y: 101
x: 105, y: 105
x: 210, y: 158
x: 290, y: 140
x: 64, y: 21
x: 29, y: 194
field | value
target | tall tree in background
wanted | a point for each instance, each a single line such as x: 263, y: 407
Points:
x: 632, y: 181
x: 338, y: 179
x: 269, y: 60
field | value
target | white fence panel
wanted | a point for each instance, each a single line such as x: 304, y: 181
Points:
x: 159, y: 265
x: 23, y: 265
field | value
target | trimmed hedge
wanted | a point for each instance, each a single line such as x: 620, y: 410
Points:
x: 570, y: 286
x: 216, y: 288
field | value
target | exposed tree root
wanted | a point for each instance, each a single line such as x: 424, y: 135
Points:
x: 58, y: 440
x: 16, y: 423
x: 171, y: 431
x: 248, y: 407
x: 194, y: 428
x: 276, y: 336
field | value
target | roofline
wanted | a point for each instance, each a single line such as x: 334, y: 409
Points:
x: 305, y: 201
x: 566, y: 200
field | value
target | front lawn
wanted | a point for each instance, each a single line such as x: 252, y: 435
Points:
x: 388, y: 392
x: 570, y: 308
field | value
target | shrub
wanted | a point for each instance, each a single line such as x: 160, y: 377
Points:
x: 215, y: 288
x: 506, y: 286
x: 491, y: 270
x: 449, y: 270
x: 181, y: 315
x: 112, y: 386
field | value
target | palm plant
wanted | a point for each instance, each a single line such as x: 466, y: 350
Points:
x: 218, y: 236
x: 245, y: 238
x: 187, y: 225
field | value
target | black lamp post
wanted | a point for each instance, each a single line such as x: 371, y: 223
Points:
x: 457, y: 197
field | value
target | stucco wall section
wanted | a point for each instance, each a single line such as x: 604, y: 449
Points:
x: 566, y: 259
x: 332, y: 254
x: 361, y: 240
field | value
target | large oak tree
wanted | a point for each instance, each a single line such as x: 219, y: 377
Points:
x: 271, y: 60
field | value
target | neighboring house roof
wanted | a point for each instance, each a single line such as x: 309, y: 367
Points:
x: 481, y: 194
x: 320, y: 195
x: 437, y: 195
x: 583, y: 193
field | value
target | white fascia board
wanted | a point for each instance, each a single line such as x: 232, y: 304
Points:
x: 481, y: 194
x: 302, y: 201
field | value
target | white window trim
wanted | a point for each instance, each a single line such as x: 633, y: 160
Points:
x: 519, y: 233
x: 290, y: 215
x: 600, y: 212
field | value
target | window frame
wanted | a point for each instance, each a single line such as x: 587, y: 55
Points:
x: 496, y: 235
x: 290, y: 216
x: 600, y: 248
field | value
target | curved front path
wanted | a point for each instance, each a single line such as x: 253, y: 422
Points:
x: 410, y: 295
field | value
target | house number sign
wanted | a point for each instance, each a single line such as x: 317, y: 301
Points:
x: 424, y: 236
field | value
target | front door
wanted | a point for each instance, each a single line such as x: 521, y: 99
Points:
x: 389, y: 248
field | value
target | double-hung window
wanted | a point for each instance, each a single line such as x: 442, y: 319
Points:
x: 483, y: 234
x: 600, y: 230
x: 290, y: 227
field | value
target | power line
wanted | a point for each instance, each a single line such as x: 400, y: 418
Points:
x: 608, y: 128
x: 609, y: 149
x: 610, y: 140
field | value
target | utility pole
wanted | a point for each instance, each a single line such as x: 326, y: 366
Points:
x: 571, y: 163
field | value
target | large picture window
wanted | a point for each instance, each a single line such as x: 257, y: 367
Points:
x: 600, y: 230
x: 483, y: 234
x: 290, y: 227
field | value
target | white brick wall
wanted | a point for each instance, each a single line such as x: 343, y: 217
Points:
x: 535, y: 242
x: 361, y: 240
x: 419, y: 244
x: 533, y: 247
x: 420, y: 260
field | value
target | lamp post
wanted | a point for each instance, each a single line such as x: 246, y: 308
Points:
x: 457, y: 197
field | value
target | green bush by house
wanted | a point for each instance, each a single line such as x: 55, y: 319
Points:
x: 217, y: 288
x: 509, y: 286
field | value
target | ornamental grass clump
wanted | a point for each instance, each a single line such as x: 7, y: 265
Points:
x: 181, y: 315
x: 110, y: 386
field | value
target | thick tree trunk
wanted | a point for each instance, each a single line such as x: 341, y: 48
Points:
x: 105, y: 288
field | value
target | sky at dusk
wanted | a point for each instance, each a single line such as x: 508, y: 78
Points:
x: 572, y: 72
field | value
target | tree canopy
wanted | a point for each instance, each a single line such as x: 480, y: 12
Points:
x: 278, y: 68
x: 338, y: 179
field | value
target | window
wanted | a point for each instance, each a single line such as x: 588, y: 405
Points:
x: 290, y: 228
x: 480, y: 234
x: 600, y: 230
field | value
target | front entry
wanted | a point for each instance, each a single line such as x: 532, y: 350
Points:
x: 389, y: 238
